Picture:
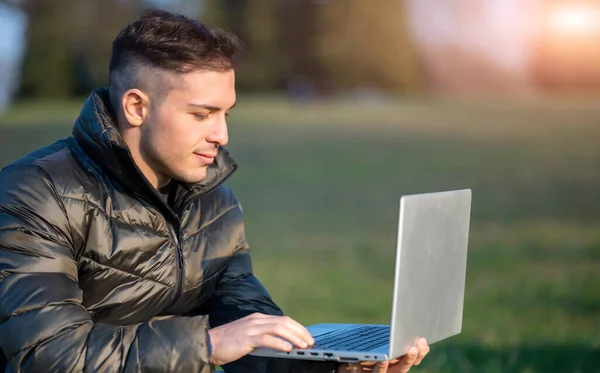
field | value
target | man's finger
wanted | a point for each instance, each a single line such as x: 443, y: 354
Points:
x: 365, y: 367
x: 423, y: 350
x: 289, y: 323
x: 298, y: 328
x: 351, y: 368
x: 278, y: 329
x: 381, y: 367
x: 407, y: 361
x: 266, y: 340
x: 368, y: 363
x: 368, y: 366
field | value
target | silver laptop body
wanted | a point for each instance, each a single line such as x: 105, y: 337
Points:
x: 428, y: 292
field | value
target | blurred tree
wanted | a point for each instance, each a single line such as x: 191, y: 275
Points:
x: 266, y: 64
x: 316, y: 46
x: 46, y: 70
x: 367, y: 44
x: 99, y: 22
x: 257, y: 24
x: 306, y: 46
x: 69, y: 43
x: 305, y: 73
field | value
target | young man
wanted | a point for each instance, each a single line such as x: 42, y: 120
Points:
x: 120, y: 248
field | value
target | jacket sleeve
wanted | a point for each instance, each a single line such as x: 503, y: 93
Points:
x: 43, y: 325
x: 238, y: 294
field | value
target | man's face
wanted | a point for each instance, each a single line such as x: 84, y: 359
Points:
x: 181, y: 134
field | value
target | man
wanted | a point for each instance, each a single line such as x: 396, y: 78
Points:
x: 120, y: 248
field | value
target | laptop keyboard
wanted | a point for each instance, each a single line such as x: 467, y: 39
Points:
x: 363, y: 338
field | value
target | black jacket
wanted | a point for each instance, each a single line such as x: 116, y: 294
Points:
x: 99, y: 274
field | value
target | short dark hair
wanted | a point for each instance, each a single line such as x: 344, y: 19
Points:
x: 168, y: 42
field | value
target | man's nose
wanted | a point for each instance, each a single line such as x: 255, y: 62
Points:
x: 219, y: 133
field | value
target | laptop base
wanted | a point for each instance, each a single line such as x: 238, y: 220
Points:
x: 328, y: 333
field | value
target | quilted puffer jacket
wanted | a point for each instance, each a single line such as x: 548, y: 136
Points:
x: 99, y: 274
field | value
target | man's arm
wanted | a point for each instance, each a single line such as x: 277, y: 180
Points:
x: 239, y: 294
x: 43, y: 325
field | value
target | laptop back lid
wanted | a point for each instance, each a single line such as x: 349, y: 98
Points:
x: 430, y: 271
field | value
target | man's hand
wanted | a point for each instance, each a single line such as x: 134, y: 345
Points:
x: 238, y: 338
x: 414, y: 357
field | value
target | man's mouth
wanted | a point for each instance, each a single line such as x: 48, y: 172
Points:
x: 206, y: 158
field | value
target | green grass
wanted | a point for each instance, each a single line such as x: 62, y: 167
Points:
x: 320, y: 183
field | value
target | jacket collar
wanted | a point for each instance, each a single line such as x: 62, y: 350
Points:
x: 97, y: 134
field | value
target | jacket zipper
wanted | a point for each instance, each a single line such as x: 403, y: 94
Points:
x: 179, y: 268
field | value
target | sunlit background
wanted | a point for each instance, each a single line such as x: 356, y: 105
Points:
x: 344, y: 105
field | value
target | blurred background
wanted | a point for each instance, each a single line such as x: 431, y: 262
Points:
x: 344, y: 105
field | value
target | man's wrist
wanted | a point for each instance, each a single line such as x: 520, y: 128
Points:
x: 210, y: 347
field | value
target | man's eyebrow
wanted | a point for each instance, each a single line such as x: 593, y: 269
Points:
x: 208, y: 107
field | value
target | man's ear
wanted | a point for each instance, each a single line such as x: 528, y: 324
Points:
x: 135, y: 105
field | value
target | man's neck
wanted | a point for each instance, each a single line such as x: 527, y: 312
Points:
x: 132, y: 139
x: 164, y: 192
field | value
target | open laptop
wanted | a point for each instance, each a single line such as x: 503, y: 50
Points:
x: 428, y: 292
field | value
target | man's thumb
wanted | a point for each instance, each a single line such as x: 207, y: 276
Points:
x: 381, y: 367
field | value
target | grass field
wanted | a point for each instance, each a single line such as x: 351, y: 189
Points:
x: 320, y: 185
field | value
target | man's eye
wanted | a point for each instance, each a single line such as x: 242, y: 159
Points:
x: 201, y: 116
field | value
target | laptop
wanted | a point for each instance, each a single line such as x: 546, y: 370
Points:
x: 428, y: 290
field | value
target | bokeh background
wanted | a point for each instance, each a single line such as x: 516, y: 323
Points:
x: 344, y: 105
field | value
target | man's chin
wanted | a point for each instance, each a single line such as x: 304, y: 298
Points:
x: 193, y: 178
